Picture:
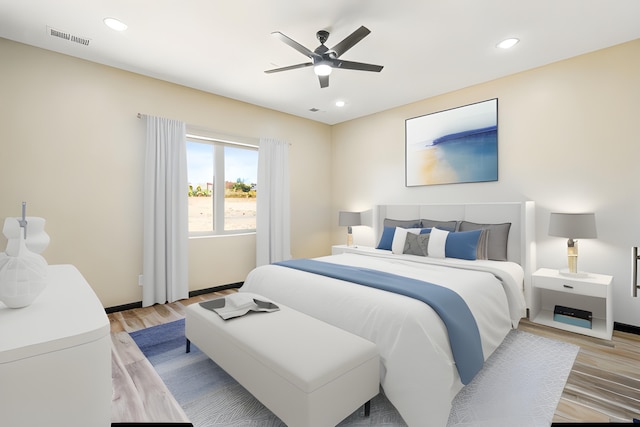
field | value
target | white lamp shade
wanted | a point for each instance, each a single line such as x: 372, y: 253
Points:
x: 573, y: 226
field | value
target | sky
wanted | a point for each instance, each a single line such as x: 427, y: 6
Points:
x: 239, y: 163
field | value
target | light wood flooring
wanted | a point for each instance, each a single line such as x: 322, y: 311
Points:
x: 604, y: 384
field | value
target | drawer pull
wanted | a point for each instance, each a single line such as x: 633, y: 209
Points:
x: 568, y: 286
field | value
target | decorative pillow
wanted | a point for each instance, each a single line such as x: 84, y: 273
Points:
x: 437, y: 243
x: 496, y: 240
x: 442, y: 225
x: 462, y: 245
x: 483, y: 241
x: 400, y: 237
x: 411, y: 223
x: 386, y: 239
x: 417, y: 244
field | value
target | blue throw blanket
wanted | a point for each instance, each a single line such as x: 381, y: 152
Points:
x: 464, y: 336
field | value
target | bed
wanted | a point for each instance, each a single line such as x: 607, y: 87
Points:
x: 419, y: 374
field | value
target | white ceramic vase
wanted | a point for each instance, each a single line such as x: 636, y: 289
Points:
x: 37, y: 239
x: 23, y: 276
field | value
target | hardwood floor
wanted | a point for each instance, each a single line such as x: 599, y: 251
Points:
x: 139, y: 395
x: 604, y: 384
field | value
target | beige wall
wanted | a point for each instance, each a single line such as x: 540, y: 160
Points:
x: 72, y: 148
x: 568, y: 140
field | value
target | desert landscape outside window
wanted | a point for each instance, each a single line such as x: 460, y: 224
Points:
x: 222, y: 179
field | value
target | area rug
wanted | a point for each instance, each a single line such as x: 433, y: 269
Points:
x: 520, y: 384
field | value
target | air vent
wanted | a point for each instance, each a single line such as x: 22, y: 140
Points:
x: 68, y: 36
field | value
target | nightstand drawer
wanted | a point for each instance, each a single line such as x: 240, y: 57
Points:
x: 569, y: 285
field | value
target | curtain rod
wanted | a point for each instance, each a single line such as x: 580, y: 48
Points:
x: 139, y: 115
x: 212, y: 139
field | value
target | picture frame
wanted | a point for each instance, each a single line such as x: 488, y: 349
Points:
x: 458, y: 145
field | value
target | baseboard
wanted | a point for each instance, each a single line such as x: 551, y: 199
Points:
x: 123, y: 307
x: 622, y: 327
x: 138, y: 304
x: 215, y: 289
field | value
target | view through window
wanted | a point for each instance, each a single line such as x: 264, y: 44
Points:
x: 222, y: 187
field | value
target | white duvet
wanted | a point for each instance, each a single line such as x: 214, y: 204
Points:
x: 418, y: 374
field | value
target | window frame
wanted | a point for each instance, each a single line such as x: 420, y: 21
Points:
x: 218, y: 144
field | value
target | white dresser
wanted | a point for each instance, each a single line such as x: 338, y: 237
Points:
x: 55, y: 357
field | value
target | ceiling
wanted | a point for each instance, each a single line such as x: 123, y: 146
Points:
x: 427, y: 47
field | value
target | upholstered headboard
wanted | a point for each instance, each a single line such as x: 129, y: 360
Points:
x: 521, y: 215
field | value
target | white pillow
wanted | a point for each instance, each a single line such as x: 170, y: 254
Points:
x: 399, y: 238
x: 437, y: 243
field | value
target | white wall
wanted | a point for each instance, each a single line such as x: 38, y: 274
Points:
x: 568, y: 140
x: 72, y: 148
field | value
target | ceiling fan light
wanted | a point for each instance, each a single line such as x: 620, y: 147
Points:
x: 322, y: 69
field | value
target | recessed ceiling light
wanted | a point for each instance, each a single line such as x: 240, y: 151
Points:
x: 508, y: 43
x: 340, y: 103
x: 115, y: 24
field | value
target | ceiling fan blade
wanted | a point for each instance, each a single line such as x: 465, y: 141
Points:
x: 350, y: 41
x: 290, y: 67
x: 324, y: 81
x: 350, y: 65
x: 294, y: 44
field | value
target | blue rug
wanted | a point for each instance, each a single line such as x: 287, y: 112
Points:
x: 520, y: 384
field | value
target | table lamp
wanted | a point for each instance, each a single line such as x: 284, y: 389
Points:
x: 349, y: 219
x: 573, y: 226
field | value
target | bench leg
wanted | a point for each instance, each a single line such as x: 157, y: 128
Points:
x: 367, y: 408
x: 188, y: 349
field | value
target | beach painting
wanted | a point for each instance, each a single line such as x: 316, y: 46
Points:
x: 459, y: 145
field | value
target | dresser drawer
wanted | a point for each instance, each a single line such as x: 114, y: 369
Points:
x: 569, y: 285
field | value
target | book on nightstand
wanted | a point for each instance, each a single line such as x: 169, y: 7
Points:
x: 572, y: 316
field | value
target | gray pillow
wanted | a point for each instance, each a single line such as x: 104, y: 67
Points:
x: 411, y: 223
x: 497, y: 238
x: 483, y: 245
x: 442, y: 225
x: 416, y: 244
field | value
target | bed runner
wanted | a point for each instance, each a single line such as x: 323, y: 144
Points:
x: 462, y: 328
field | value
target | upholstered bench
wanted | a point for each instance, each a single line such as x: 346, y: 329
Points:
x: 307, y: 372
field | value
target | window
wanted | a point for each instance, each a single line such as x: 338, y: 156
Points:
x: 223, y: 182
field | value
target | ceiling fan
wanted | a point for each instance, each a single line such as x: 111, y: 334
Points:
x: 324, y: 59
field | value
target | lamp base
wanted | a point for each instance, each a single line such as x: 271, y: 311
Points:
x: 349, y: 239
x: 572, y: 255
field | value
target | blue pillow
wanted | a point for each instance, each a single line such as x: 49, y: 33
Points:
x: 387, y: 238
x: 425, y: 231
x: 462, y: 245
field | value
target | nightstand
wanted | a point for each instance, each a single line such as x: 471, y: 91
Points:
x: 589, y: 291
x: 339, y: 249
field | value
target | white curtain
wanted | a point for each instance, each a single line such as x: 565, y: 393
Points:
x: 165, y: 223
x: 273, y: 237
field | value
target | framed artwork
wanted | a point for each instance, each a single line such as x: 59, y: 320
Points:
x: 454, y: 146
